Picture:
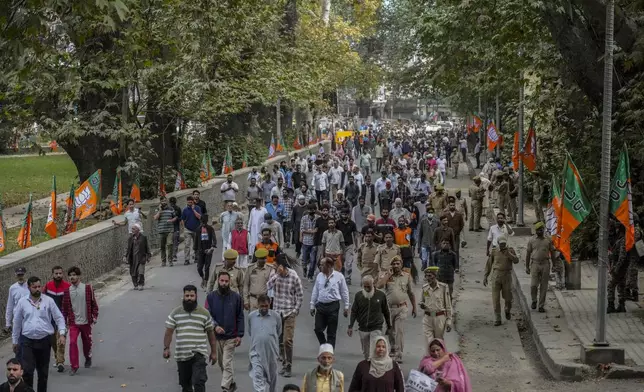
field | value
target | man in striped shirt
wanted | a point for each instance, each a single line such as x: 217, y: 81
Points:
x: 195, y: 332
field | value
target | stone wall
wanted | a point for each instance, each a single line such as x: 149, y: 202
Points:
x: 99, y: 249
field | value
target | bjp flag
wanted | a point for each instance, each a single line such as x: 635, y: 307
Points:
x: 24, y: 236
x: 515, y: 152
x: 492, y: 137
x: 50, y: 226
x: 135, y: 193
x: 3, y: 232
x: 88, y: 196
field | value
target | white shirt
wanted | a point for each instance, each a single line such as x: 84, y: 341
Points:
x: 34, y: 320
x: 380, y: 185
x: 495, y: 232
x: 335, y: 174
x: 231, y: 190
x: 133, y: 217
x: 441, y: 163
x: 330, y: 289
x: 16, y: 292
x: 320, y: 181
x: 359, y: 179
x: 257, y: 176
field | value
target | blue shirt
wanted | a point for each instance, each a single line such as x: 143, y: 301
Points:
x: 227, y: 312
x: 277, y: 212
x: 34, y: 320
x: 189, y: 219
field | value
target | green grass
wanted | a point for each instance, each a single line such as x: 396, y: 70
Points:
x: 22, y: 175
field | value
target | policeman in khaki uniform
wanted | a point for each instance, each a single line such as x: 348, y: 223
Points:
x: 386, y: 252
x: 437, y: 305
x: 438, y: 199
x: 255, y: 279
x: 540, y: 253
x: 500, y: 261
x: 397, y: 286
x: 367, y: 257
x: 476, y: 196
x: 236, y: 274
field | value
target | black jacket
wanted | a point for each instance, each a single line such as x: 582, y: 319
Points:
x: 201, y: 246
x: 363, y: 192
x: 22, y: 387
x: 370, y: 313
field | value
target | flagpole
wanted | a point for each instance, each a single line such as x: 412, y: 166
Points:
x: 278, y: 121
x: 520, y: 221
x: 604, y: 195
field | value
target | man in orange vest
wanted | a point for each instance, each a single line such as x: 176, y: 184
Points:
x: 268, y: 244
x: 405, y: 240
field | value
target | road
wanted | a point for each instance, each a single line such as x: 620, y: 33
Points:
x: 129, y: 338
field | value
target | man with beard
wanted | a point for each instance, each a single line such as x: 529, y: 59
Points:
x: 138, y: 255
x: 352, y: 191
x: 235, y: 274
x: 33, y: 326
x: 456, y: 222
x: 324, y: 374
x: 299, y: 210
x: 307, y: 235
x: 255, y: 280
x: 385, y: 224
x: 370, y: 310
x: 195, y: 333
x: 270, y: 223
x: 14, y: 378
x: 399, y: 211
x: 350, y: 233
x: 386, y: 196
x: 264, y: 329
x: 205, y: 243
x: 227, y: 311
x: 360, y: 213
x: 368, y: 192
x: 55, y: 288
x: 371, y: 225
x: 80, y: 311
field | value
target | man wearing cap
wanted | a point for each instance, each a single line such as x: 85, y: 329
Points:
x: 437, y: 305
x: 255, y: 280
x: 236, y: 275
x: 539, y: 255
x: 16, y: 291
x: 324, y: 377
x: 438, y: 199
x: 476, y: 196
x: 500, y: 261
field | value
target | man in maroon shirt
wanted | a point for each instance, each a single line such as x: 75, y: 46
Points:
x: 55, y: 288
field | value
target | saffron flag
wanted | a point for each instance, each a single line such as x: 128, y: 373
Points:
x: 135, y: 193
x: 529, y: 152
x: 88, y: 196
x: 297, y: 144
x: 280, y: 144
x: 179, y: 183
x: 575, y: 207
x: 211, y: 168
x: 3, y: 231
x: 50, y: 226
x: 271, y: 148
x: 515, y: 152
x: 24, y: 236
x: 492, y: 137
x: 245, y: 159
x: 477, y: 123
x: 116, y: 204
x: 204, y: 169
x: 621, y: 204
x: 227, y: 166
x: 70, y: 214
x: 554, y: 206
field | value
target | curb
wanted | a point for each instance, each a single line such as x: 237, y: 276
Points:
x: 561, y: 371
x: 624, y: 372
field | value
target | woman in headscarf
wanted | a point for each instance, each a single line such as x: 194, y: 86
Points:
x: 379, y: 373
x: 446, y: 368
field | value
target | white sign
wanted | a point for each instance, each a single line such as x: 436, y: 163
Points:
x: 420, y: 382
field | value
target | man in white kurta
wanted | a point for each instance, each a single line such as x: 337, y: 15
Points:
x: 227, y: 221
x: 254, y: 224
x: 264, y: 329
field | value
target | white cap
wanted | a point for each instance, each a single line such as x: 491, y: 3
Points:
x: 325, y: 348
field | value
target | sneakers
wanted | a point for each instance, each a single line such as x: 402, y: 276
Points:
x: 533, y: 305
x: 542, y: 310
x: 497, y: 323
x: 88, y: 363
x: 73, y: 372
x: 508, y: 315
x: 286, y: 371
x: 61, y: 367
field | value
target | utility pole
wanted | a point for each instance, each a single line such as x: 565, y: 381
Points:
x: 604, y: 193
x: 521, y: 168
x: 481, y: 132
x: 279, y: 119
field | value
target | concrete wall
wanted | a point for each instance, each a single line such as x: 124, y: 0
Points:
x: 99, y: 249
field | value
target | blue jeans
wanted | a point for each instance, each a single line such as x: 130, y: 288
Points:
x: 309, y: 253
x: 426, y: 256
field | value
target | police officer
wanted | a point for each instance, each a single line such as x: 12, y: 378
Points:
x: 476, y: 196
x: 255, y: 279
x: 620, y: 261
x: 540, y: 253
x: 437, y: 305
x: 500, y: 261
x: 235, y: 273
x: 438, y: 199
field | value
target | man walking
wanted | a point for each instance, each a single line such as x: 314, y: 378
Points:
x: 397, y: 286
x: 191, y: 218
x: 287, y: 300
x: 165, y: 228
x: 56, y: 288
x: 138, y: 254
x: 308, y: 233
x: 80, y: 311
x: 456, y: 221
x: 428, y: 225
x: 437, y: 305
x: 236, y: 275
x: 330, y: 287
x: 370, y: 310
x: 264, y: 330
x: 500, y: 261
x: 333, y: 244
x: 255, y: 280
x: 447, y: 262
x: 16, y: 292
x: 195, y: 334
x: 254, y: 223
x: 539, y: 255
x: 227, y: 221
x: 476, y: 196
x: 324, y: 374
x: 367, y: 256
x: 349, y: 232
x: 205, y: 245
x: 227, y: 311
x: 33, y: 325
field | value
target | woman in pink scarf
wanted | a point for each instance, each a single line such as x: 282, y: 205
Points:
x: 445, y: 368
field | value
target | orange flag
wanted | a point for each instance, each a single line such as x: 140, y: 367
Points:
x: 529, y: 153
x: 88, y: 196
x: 492, y: 137
x: 515, y: 152
x: 3, y: 231
x: 135, y: 193
x: 24, y: 236
x: 50, y: 226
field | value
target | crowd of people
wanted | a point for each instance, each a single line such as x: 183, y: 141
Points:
x: 337, y: 218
